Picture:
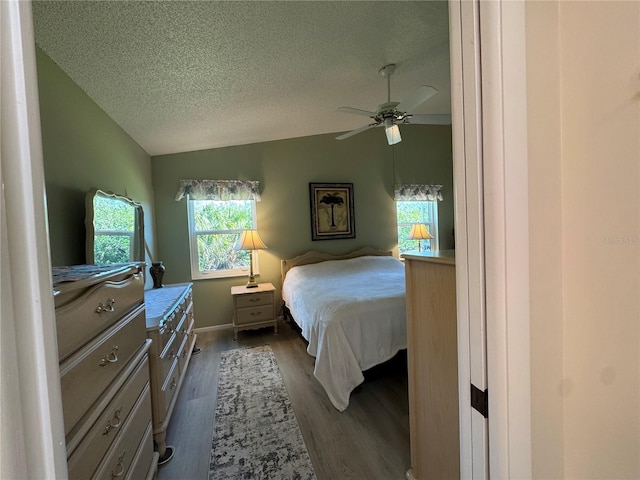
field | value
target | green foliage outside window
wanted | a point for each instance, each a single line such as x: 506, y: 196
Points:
x: 112, y: 249
x: 217, y: 226
x: 114, y: 223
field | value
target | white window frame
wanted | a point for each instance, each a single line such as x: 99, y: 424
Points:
x: 431, y: 226
x: 196, y: 274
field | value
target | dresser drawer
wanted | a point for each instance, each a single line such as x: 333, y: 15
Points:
x: 169, y: 356
x: 86, y: 457
x: 81, y: 315
x: 140, y: 467
x: 254, y: 299
x: 254, y: 314
x: 182, y: 354
x: 120, y: 456
x: 86, y: 374
x: 163, y: 338
x: 166, y: 394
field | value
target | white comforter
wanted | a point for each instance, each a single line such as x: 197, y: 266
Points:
x: 353, y: 314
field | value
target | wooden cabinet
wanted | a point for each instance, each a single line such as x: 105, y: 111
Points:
x: 254, y: 307
x: 104, y: 371
x: 432, y: 354
x: 170, y: 323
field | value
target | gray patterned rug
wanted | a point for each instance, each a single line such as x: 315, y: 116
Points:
x: 256, y: 434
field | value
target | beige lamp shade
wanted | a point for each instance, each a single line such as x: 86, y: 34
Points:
x: 419, y: 232
x: 250, y: 240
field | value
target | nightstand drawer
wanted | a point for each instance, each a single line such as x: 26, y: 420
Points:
x: 254, y: 299
x: 254, y: 314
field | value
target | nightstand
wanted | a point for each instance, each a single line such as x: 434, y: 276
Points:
x: 254, y: 308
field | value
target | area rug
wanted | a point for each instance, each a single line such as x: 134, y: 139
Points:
x: 256, y: 434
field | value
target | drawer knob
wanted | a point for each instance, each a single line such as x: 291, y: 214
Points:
x: 115, y: 422
x: 254, y: 300
x: 173, y: 384
x: 107, y: 307
x: 111, y: 357
x: 119, y: 470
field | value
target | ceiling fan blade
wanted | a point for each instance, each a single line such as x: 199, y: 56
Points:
x: 427, y: 119
x: 357, y: 111
x: 421, y: 94
x: 356, y: 131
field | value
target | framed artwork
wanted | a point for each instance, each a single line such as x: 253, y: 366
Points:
x: 332, y: 211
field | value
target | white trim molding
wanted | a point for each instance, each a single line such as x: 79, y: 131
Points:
x: 32, y: 442
x: 506, y: 202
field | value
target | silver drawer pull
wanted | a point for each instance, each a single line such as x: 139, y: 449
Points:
x: 108, y: 307
x: 119, y: 470
x: 254, y: 300
x: 115, y: 422
x: 112, y: 357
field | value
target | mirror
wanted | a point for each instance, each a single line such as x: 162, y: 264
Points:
x: 115, y: 228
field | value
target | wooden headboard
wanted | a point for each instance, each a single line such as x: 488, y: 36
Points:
x: 317, y: 257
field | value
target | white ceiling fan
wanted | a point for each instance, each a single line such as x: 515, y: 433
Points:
x: 391, y: 114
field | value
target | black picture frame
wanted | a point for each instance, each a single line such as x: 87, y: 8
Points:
x: 332, y: 210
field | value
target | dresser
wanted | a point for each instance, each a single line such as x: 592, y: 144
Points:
x: 104, y: 371
x: 432, y: 355
x: 170, y: 328
x: 254, y: 307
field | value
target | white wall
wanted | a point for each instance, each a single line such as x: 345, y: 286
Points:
x: 585, y: 237
x: 600, y: 70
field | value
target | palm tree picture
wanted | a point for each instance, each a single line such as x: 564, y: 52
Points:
x: 331, y: 211
x: 332, y: 199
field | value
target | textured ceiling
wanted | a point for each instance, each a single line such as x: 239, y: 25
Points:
x: 189, y: 75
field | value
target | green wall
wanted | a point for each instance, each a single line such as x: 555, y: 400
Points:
x: 284, y: 169
x: 84, y: 148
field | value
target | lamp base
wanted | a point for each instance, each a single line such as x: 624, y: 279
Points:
x: 252, y: 282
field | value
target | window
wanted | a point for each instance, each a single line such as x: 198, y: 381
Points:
x: 114, y: 223
x: 412, y: 212
x: 214, y: 228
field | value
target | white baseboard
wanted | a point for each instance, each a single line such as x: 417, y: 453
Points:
x: 225, y: 326
x: 213, y: 327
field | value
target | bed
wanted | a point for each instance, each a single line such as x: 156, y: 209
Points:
x: 350, y: 309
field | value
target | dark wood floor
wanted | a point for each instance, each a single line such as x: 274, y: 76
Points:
x: 369, y: 440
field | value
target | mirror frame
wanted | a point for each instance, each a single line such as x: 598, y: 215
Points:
x: 138, y: 246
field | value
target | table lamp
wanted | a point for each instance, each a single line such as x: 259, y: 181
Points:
x: 419, y: 232
x: 250, y: 240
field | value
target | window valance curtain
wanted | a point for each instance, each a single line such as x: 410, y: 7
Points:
x: 418, y: 192
x: 219, y: 190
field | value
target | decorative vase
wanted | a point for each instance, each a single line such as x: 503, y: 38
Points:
x: 157, y: 272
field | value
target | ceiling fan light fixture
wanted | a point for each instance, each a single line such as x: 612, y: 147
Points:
x: 393, y: 134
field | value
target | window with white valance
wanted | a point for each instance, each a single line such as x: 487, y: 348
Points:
x: 417, y: 204
x: 218, y: 212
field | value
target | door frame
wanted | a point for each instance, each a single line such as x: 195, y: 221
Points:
x: 489, y: 113
x: 32, y: 431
